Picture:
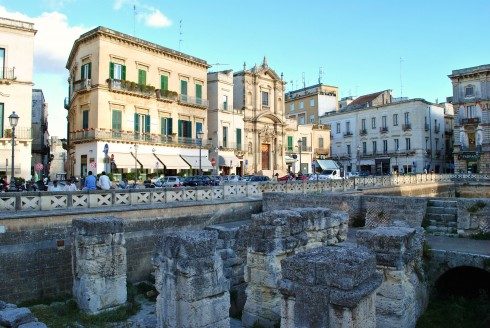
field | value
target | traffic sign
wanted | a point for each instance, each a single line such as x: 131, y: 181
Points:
x: 213, y: 161
x: 38, y: 167
x: 93, y: 165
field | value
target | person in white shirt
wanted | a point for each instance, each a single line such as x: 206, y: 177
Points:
x: 55, y: 186
x: 70, y: 186
x: 104, y: 182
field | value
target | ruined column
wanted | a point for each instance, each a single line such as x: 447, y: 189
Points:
x: 99, y: 264
x: 402, y: 297
x: 193, y: 292
x: 329, y: 287
x: 275, y: 235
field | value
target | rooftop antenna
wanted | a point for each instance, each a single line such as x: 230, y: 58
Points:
x: 292, y: 85
x: 401, y: 81
x: 180, y: 35
x: 134, y: 20
x: 320, y: 75
x: 303, y: 77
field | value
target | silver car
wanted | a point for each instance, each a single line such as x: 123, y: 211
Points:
x: 170, y: 181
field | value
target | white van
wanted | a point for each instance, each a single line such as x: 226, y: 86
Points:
x: 326, y: 175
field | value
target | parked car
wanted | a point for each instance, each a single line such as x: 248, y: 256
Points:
x: 232, y: 178
x: 198, y: 180
x: 170, y: 181
x: 259, y: 178
x: 326, y: 175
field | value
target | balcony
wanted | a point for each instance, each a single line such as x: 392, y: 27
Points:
x: 193, y: 101
x: 20, y: 133
x: 470, y: 120
x: 347, y: 134
x: 295, y: 149
x: 8, y: 73
x: 230, y: 146
x: 166, y: 95
x: 322, y: 151
x: 428, y: 153
x: 383, y: 129
x: 407, y: 127
x: 362, y: 132
x: 437, y: 129
x: 129, y: 137
x: 130, y: 87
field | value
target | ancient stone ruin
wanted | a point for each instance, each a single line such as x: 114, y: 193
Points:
x: 13, y: 316
x: 329, y: 287
x: 402, y: 297
x: 273, y: 236
x: 99, y: 264
x: 193, y: 292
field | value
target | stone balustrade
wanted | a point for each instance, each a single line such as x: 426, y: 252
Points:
x: 48, y: 201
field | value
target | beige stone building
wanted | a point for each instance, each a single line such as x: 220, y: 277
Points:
x: 134, y: 106
x: 58, y: 161
x: 225, y: 125
x: 306, y: 105
x: 259, y: 93
x: 16, y: 67
x: 471, y: 101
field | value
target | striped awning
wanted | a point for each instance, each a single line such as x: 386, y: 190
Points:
x: 193, y: 161
x: 172, y: 162
x: 149, y: 161
x: 124, y: 160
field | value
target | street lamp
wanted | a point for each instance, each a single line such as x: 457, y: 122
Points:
x: 358, y: 156
x: 200, y: 135
x: 300, y: 144
x: 13, y: 119
x: 135, y: 162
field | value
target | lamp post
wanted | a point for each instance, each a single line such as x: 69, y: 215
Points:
x: 200, y: 134
x: 300, y: 144
x: 135, y: 146
x: 13, y: 119
x: 358, y: 158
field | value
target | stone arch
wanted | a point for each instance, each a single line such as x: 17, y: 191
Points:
x: 271, y: 116
x: 467, y: 281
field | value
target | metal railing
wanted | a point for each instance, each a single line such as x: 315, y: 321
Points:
x: 167, y: 94
x: 7, y: 73
x: 383, y: 129
x: 437, y: 129
x: 347, y: 134
x: 133, y: 87
x: 470, y: 120
x: 362, y: 132
x: 20, y: 133
x: 189, y: 100
x: 231, y: 145
x: 406, y: 127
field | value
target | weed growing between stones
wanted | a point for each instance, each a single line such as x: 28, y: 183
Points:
x: 425, y: 222
x: 476, y: 207
x: 481, y: 236
x: 66, y: 313
x: 426, y: 252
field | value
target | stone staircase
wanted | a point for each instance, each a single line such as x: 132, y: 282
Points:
x: 442, y: 217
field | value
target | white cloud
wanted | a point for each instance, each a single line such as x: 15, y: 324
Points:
x: 119, y: 3
x: 155, y: 18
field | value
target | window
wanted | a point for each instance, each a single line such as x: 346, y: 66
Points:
x: 363, y: 124
x: 397, y: 144
x: 265, y: 98
x: 185, y: 129
x: 338, y: 127
x: 347, y: 127
x: 364, y: 148
x: 86, y: 71
x: 198, y: 93
x: 116, y: 120
x: 301, y: 105
x: 163, y: 82
x: 239, y: 139
x: 375, y: 147
x: 141, y: 77
x: 470, y: 111
x: 407, y: 143
x: 348, y: 150
x: 312, y: 102
x: 301, y: 119
x: 165, y: 126
x: 225, y: 136
x: 395, y: 119
x: 407, y: 118
x: 426, y: 143
x: 85, y: 119
x: 437, y: 143
x: 1, y: 120
x: 373, y: 122
x: 290, y: 143
x: 312, y: 118
x: 183, y: 87
x: 141, y: 123
x: 385, y: 146
x: 225, y: 102
x: 2, y: 66
x: 291, y: 107
x: 383, y: 121
x: 469, y: 91
x: 198, y: 128
x: 320, y: 142
x: 117, y: 71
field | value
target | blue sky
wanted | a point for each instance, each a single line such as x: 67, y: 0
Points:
x: 358, y: 44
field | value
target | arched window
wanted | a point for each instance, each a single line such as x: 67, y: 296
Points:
x: 469, y: 91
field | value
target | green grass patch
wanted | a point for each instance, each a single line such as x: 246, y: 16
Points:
x: 456, y: 313
x: 481, y: 236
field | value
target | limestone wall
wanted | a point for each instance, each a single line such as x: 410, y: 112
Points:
x: 473, y: 216
x: 385, y: 210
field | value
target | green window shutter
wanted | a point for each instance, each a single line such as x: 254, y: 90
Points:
x: 180, y: 127
x: 163, y: 82
x: 111, y: 70
x: 169, y: 125
x: 142, y: 77
x: 147, y: 123
x: 123, y: 72
x: 116, y: 120
x: 82, y: 72
x: 198, y: 91
x: 290, y: 143
x: 183, y: 87
x: 189, y: 130
x: 89, y: 70
x: 85, y: 119
x: 239, y: 138
x: 136, y: 123
x: 163, y: 126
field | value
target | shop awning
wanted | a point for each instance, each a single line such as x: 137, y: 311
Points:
x: 193, y: 161
x: 289, y: 159
x: 149, y: 161
x: 124, y: 160
x: 172, y: 162
x: 228, y: 160
x: 327, y: 164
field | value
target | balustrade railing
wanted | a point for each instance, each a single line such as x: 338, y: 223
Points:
x: 7, y: 73
x: 20, y: 133
x: 189, y: 100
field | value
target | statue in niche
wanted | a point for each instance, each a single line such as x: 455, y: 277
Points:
x: 479, y: 137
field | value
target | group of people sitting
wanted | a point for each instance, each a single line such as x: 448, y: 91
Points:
x: 90, y: 183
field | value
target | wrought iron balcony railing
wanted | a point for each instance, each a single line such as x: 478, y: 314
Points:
x: 7, y: 73
x: 20, y: 133
x: 189, y: 100
x: 407, y: 127
x: 347, y: 134
x: 131, y: 87
x: 470, y: 120
x: 362, y: 132
x: 383, y: 129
